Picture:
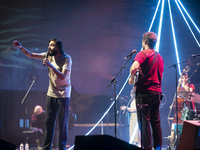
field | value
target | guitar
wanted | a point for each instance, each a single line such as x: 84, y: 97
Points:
x: 134, y: 81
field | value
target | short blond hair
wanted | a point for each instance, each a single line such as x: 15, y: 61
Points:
x: 36, y: 108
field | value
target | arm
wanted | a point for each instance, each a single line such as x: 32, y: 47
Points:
x: 27, y: 52
x: 187, y: 88
x: 128, y: 108
x: 62, y: 75
x: 135, y: 66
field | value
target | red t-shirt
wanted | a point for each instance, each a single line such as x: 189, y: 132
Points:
x: 189, y: 85
x: 152, y: 80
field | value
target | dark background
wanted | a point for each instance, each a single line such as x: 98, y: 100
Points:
x: 97, y: 34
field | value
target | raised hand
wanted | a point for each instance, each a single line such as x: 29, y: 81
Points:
x: 17, y: 44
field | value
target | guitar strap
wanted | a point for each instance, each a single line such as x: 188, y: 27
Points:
x: 147, y: 70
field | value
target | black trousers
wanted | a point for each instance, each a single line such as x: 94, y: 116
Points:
x: 56, y: 107
x: 149, y: 115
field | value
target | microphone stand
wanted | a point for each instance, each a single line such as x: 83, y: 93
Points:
x: 114, y: 81
x: 26, y: 111
x: 175, y: 66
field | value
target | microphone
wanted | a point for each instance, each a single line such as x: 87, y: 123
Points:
x: 43, y: 111
x: 47, y: 54
x: 195, y: 55
x: 129, y: 55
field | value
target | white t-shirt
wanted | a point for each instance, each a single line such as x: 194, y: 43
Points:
x: 59, y: 88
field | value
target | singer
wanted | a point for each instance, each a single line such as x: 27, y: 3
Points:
x: 150, y: 65
x: 59, y: 91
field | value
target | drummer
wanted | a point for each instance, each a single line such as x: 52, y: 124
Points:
x: 187, y: 86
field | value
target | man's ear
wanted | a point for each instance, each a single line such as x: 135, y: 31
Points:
x: 145, y: 42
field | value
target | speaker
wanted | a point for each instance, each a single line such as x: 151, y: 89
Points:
x: 6, y: 145
x: 101, y: 142
x: 190, y: 136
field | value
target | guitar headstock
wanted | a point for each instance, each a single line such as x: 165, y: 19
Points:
x: 187, y: 68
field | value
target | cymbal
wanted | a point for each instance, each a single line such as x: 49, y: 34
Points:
x: 195, y: 97
x: 183, y: 94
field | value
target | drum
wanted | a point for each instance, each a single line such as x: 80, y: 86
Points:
x: 174, y: 132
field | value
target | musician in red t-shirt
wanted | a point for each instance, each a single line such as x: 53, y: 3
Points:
x: 150, y: 64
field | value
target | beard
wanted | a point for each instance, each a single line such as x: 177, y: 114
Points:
x: 53, y: 53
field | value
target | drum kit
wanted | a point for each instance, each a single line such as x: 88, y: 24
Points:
x: 184, y: 113
x: 187, y: 106
x: 188, y: 97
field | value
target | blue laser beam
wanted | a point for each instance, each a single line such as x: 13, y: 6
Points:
x: 189, y: 16
x: 133, y: 134
x: 174, y: 37
x: 154, y: 16
x: 187, y: 23
x: 160, y: 27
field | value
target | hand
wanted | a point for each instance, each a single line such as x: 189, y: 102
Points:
x: 130, y: 81
x: 123, y: 107
x: 46, y: 62
x: 17, y: 44
x: 180, y: 80
x: 183, y: 84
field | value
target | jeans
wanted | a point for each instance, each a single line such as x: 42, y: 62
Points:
x: 148, y: 114
x: 56, y: 107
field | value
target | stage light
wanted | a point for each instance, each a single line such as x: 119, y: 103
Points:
x: 189, y: 16
x: 160, y: 27
x: 187, y: 23
x: 174, y: 37
x: 154, y: 16
x: 133, y: 134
